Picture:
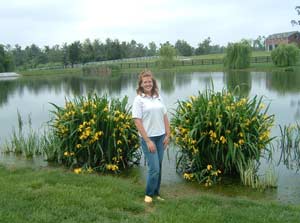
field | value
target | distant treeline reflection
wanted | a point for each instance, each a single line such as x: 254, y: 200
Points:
x: 281, y: 82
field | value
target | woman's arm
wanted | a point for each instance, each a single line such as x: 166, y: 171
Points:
x: 139, y: 125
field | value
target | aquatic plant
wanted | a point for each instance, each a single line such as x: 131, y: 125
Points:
x: 23, y: 143
x: 221, y: 130
x: 94, y: 132
x: 289, y: 146
x: 249, y: 176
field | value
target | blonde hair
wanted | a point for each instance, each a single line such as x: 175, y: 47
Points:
x: 140, y: 89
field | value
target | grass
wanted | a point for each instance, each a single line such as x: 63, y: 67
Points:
x: 56, y: 195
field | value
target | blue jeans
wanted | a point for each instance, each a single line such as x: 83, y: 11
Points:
x: 154, y: 162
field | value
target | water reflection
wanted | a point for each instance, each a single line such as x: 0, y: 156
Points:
x: 68, y: 85
x: 167, y: 80
x: 243, y: 80
x: 283, y: 82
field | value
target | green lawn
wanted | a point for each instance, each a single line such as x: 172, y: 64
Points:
x: 57, y: 195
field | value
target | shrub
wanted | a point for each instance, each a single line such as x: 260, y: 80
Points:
x: 285, y: 55
x: 219, y: 133
x: 237, y: 55
x: 96, y: 133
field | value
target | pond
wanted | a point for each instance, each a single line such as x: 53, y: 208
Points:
x: 31, y: 96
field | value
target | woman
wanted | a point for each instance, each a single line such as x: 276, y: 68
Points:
x: 150, y: 117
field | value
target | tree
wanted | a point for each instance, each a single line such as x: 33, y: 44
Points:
x: 152, y: 49
x: 18, y: 55
x: 6, y: 60
x: 55, y: 54
x: 167, y: 54
x: 183, y: 48
x: 259, y: 43
x: 238, y: 55
x: 75, y: 53
x: 296, y: 21
x: 87, y: 51
x: 99, y: 50
x: 204, y: 47
x: 34, y: 56
x: 285, y: 55
x: 65, y: 54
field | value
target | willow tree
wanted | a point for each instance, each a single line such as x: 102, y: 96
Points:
x: 238, y: 55
x: 167, y: 54
x: 285, y: 55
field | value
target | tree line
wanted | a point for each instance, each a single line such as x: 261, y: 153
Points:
x: 12, y: 57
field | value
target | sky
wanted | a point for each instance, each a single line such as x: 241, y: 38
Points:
x: 50, y: 22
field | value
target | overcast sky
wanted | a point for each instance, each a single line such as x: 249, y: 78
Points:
x: 50, y: 22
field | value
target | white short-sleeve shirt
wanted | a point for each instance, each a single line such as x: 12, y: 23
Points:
x: 151, y: 111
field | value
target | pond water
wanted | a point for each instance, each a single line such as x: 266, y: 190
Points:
x: 31, y: 96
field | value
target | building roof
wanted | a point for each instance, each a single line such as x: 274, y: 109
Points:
x: 281, y: 35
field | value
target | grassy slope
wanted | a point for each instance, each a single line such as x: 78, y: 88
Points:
x: 55, y: 195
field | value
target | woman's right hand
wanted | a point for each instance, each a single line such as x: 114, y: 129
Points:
x: 151, y: 146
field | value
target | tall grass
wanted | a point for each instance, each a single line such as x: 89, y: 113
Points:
x: 289, y: 145
x: 23, y: 143
x: 249, y: 176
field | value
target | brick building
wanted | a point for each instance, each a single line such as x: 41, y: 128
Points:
x: 272, y: 41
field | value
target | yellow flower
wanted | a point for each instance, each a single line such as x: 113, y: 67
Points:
x: 262, y: 106
x: 241, y: 134
x: 112, y: 167
x: 66, y: 153
x: 241, y: 141
x: 119, y: 142
x: 212, y: 134
x: 223, y: 139
x: 115, y: 168
x: 188, y: 105
x: 227, y: 131
x: 192, y: 98
x: 209, y: 167
x: 78, y: 146
x: 77, y: 170
x: 188, y: 176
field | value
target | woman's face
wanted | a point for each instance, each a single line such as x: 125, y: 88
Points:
x: 147, y: 85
